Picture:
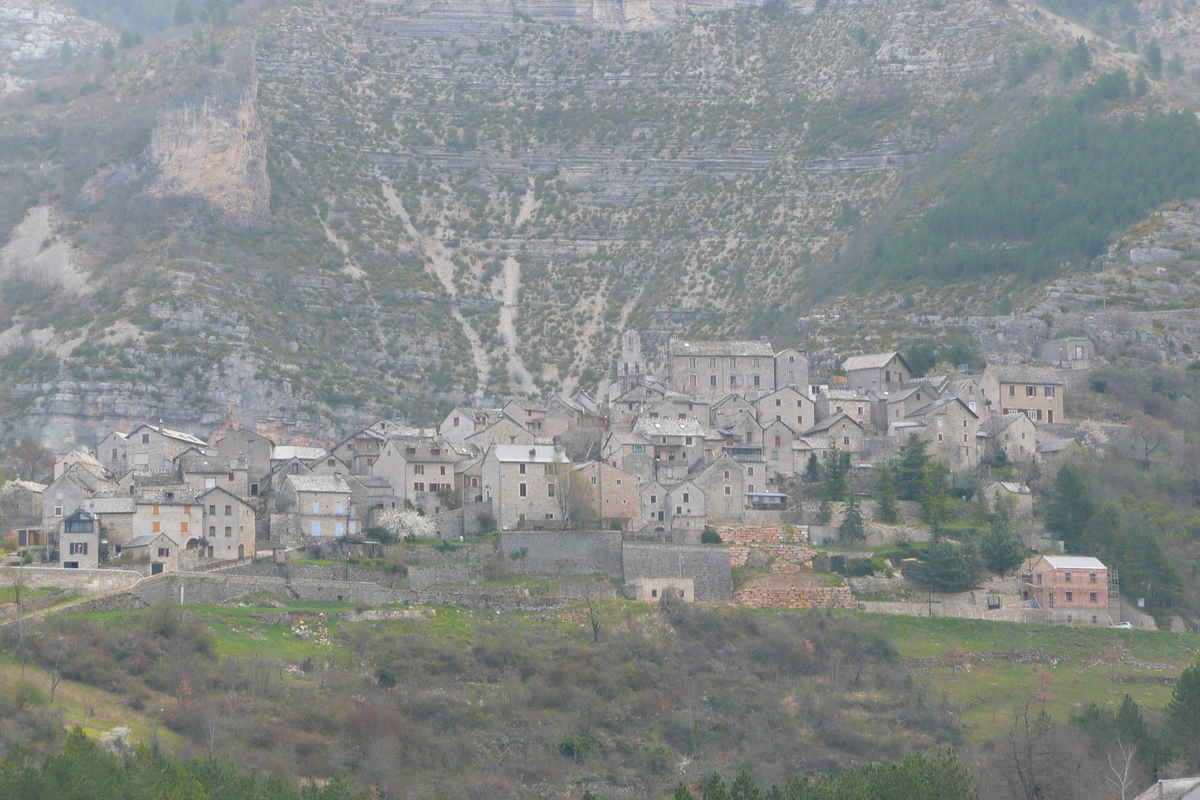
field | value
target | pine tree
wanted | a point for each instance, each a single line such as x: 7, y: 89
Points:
x: 887, y: 510
x: 852, y: 529
x: 1183, y: 717
x: 1001, y: 549
x: 1154, y: 59
x: 837, y: 470
x: 1070, y: 507
x: 910, y: 469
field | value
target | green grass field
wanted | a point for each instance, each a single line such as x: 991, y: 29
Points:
x: 1073, y: 666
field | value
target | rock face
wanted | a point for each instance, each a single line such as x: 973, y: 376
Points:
x: 209, y: 146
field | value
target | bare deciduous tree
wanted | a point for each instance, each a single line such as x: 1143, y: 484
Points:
x: 1121, y: 771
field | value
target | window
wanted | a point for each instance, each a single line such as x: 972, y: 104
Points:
x: 726, y: 474
x: 337, y: 508
x: 846, y: 441
x: 939, y: 437
x: 692, y: 381
x: 733, y: 363
x: 799, y: 420
x: 419, y: 486
x: 155, y: 526
x: 58, y: 511
x: 686, y: 497
x: 1049, y: 391
x: 1039, y: 414
x: 1012, y: 390
x: 1070, y: 596
x: 443, y: 469
x: 692, y: 362
x: 212, y: 510
x: 1031, y: 391
x: 1067, y: 577
x: 678, y: 509
x: 316, y: 507
x: 212, y: 531
x: 418, y: 469
x: 228, y: 511
x: 778, y: 440
x: 712, y: 381
x: 183, y: 527
x: 653, y: 499
x: 330, y: 462
x: 550, y: 516
x: 755, y: 363
x: 456, y: 421
x: 778, y: 402
x: 164, y: 552
x: 639, y: 448
x: 712, y: 363
x: 687, y: 440
x: 231, y: 476
x: 521, y: 469
x: 79, y: 548
x: 523, y: 490
x: 1039, y: 577
x: 620, y: 481
x: 228, y: 531
x: 145, y: 438
x: 249, y: 447
x: 210, y: 483
x: 774, y: 455
x: 156, y: 509
x: 549, y: 490
x: 939, y: 422
x: 594, y: 480
x: 1093, y: 597
x: 756, y: 380
x: 728, y: 491
x: 1091, y: 577
x: 750, y: 471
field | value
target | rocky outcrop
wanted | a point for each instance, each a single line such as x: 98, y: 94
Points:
x: 209, y: 146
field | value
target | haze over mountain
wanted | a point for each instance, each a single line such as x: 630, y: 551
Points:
x: 333, y: 211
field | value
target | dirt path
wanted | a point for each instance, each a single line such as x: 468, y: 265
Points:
x: 442, y: 268
x: 510, y: 294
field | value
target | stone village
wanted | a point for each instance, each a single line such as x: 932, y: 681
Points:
x: 676, y: 477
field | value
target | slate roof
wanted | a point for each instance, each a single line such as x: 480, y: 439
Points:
x: 529, y: 454
x: 110, y: 505
x: 194, y: 461
x: 829, y: 422
x: 283, y: 452
x: 668, y: 427
x: 727, y: 349
x: 996, y: 425
x: 1020, y: 373
x: 871, y: 361
x: 319, y: 483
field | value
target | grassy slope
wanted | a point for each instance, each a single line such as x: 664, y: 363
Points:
x: 1078, y: 667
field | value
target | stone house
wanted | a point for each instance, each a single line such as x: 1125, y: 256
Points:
x: 418, y: 469
x: 21, y: 502
x: 777, y: 451
x: 744, y: 439
x: 709, y: 369
x: 1015, y: 497
x: 678, y: 444
x: 162, y: 552
x: 1070, y: 590
x: 313, y: 457
x: 229, y: 524
x: 949, y: 427
x: 1070, y: 353
x: 1013, y: 434
x: 320, y: 504
x: 676, y: 406
x: 468, y: 474
x: 154, y: 448
x: 529, y: 414
x: 255, y: 449
x: 67, y: 493
x: 464, y: 421
x: 112, y: 453
x: 181, y: 520
x: 789, y: 406
x: 856, y: 404
x: 523, y: 484
x: 151, y: 485
x: 114, y: 515
x: 203, y: 471
x: 881, y: 372
x: 839, y: 431
x: 630, y: 451
x: 967, y: 390
x: 685, y: 506
x: 791, y: 370
x: 889, y: 408
x: 628, y: 406
x: 79, y: 541
x: 611, y: 492
x: 566, y: 414
x: 653, y: 496
x: 502, y: 431
x: 1034, y: 391
x: 84, y: 458
x: 650, y: 590
x: 369, y: 494
x: 360, y: 450
x: 724, y: 485
x: 726, y: 409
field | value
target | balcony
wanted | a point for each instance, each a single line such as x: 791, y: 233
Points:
x: 746, y: 454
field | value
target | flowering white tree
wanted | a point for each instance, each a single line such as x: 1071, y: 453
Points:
x: 406, y: 524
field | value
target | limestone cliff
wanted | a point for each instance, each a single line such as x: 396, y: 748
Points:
x: 209, y: 145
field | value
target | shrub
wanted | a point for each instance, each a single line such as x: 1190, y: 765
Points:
x: 710, y: 536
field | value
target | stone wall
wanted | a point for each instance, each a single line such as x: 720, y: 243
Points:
x: 786, y: 542
x: 87, y: 581
x: 424, y: 577
x: 266, y: 568
x: 709, y: 565
x: 214, y: 589
x: 120, y: 601
x: 797, y: 597
x: 564, y: 552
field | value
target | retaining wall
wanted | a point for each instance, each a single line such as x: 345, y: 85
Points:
x: 709, y: 565
x: 564, y: 552
x: 797, y: 597
x: 87, y: 581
